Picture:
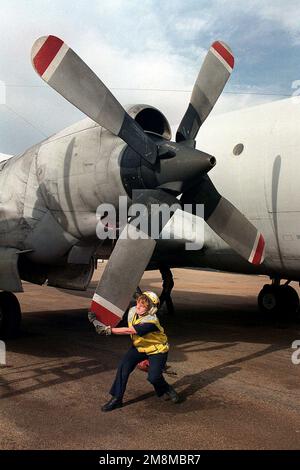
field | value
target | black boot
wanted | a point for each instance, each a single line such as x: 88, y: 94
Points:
x: 172, y: 395
x: 112, y: 404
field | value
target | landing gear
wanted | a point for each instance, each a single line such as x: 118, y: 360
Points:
x: 10, y: 315
x: 278, y: 300
x: 168, y: 284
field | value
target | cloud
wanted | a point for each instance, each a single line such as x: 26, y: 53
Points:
x: 132, y: 45
x: 282, y: 15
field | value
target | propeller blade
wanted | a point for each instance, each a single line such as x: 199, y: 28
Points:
x: 121, y: 276
x: 128, y: 260
x: 214, y: 73
x: 227, y: 221
x: 60, y: 67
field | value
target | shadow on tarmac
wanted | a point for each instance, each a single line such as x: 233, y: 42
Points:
x: 73, y: 351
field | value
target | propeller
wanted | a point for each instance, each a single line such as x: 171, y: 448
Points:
x: 213, y: 76
x: 60, y: 67
x: 129, y: 258
x: 168, y: 169
x: 225, y: 219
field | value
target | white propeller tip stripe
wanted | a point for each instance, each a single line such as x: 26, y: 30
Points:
x: 108, y: 305
x: 223, y: 61
x: 53, y: 66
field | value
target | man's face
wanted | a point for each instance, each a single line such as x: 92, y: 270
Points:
x: 141, y: 308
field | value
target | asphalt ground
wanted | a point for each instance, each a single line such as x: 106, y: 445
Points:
x: 231, y: 365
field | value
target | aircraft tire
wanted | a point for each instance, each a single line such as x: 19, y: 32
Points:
x: 280, y: 301
x: 289, y: 300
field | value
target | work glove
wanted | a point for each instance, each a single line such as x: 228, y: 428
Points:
x: 103, y: 330
x: 99, y: 327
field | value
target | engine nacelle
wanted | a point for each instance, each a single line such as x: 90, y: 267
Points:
x: 150, y: 119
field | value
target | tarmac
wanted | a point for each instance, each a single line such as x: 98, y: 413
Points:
x: 231, y: 365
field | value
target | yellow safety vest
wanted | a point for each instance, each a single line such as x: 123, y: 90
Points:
x: 151, y: 343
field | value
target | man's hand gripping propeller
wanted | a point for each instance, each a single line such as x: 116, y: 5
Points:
x: 99, y: 327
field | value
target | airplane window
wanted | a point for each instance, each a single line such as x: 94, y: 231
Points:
x: 237, y: 150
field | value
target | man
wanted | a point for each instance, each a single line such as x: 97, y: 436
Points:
x: 149, y: 341
x: 164, y: 298
x: 168, y: 284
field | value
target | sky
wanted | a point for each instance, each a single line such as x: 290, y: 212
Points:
x: 145, y: 51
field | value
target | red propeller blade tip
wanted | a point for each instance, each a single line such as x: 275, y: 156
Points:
x: 223, y: 54
x: 258, y: 251
x: 105, y: 311
x: 46, y: 54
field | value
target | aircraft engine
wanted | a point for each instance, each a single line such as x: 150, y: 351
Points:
x: 150, y: 119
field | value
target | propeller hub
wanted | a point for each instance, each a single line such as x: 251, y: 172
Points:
x: 186, y: 166
x: 178, y: 167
